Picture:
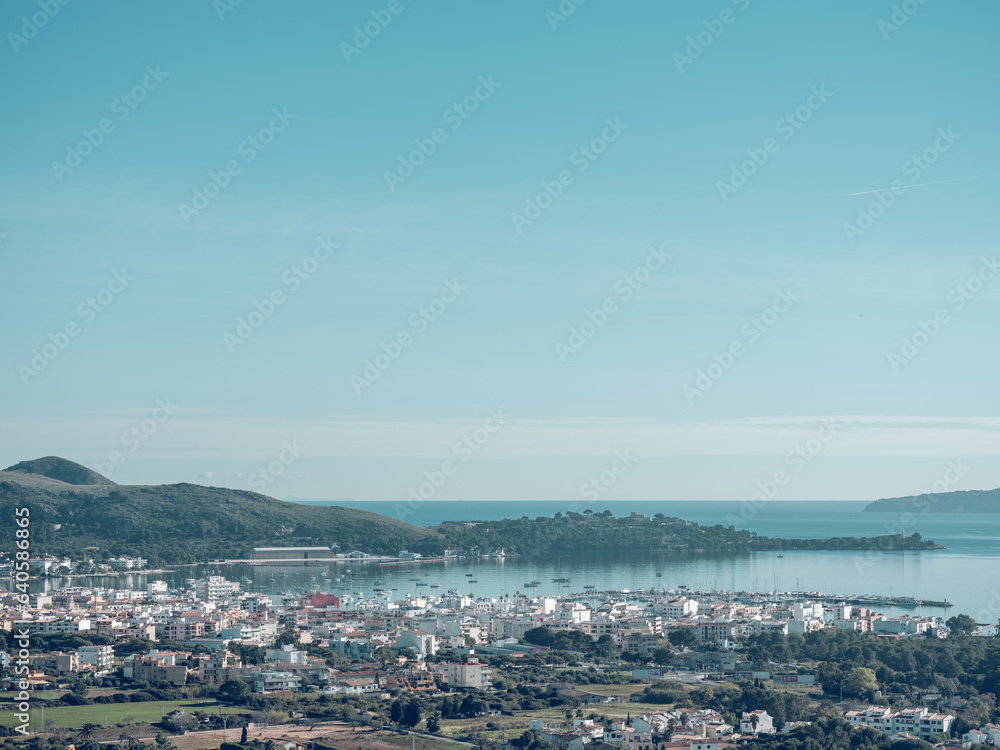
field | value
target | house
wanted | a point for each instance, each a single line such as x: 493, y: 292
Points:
x: 266, y: 681
x: 919, y: 722
x: 757, y: 722
x: 420, y: 641
x: 466, y: 674
x: 287, y: 654
x: 100, y: 658
x: 57, y: 662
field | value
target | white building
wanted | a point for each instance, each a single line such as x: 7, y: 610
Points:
x: 677, y: 608
x: 287, y: 654
x: 217, y: 587
x: 467, y: 674
x: 420, y: 641
x: 916, y: 721
x: 757, y: 722
x: 156, y: 588
x: 100, y: 658
x: 270, y: 681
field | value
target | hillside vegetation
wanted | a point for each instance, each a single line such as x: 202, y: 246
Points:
x: 588, y: 532
x: 974, y: 501
x: 177, y: 523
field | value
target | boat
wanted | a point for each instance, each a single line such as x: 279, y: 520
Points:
x: 531, y: 585
x: 469, y: 575
x: 473, y: 580
x: 561, y: 580
x: 435, y: 585
x: 780, y: 555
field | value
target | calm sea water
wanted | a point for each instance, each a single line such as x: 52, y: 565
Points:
x: 967, y: 573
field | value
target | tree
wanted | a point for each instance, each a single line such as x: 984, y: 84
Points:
x: 961, y: 625
x: 540, y: 636
x: 433, y: 724
x: 606, y: 646
x: 411, y: 713
x: 663, y: 654
x: 243, y: 735
x: 182, y: 722
x: 682, y: 637
x: 396, y: 712
x: 233, y: 691
x: 290, y: 636
x: 384, y: 655
x: 79, y: 689
x: 860, y: 682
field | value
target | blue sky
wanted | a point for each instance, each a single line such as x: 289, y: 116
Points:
x: 865, y: 95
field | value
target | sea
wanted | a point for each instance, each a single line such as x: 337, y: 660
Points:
x: 966, y: 574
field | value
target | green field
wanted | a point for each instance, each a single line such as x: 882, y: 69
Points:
x: 74, y: 717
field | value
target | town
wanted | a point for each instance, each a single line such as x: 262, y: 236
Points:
x: 643, y: 670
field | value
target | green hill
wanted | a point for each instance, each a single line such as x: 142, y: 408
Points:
x: 973, y: 501
x: 61, y: 470
x: 177, y: 523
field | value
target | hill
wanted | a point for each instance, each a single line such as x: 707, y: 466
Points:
x: 603, y: 532
x: 973, y: 501
x: 60, y: 469
x: 178, y: 523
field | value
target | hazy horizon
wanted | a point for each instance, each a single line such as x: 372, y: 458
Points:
x: 339, y: 251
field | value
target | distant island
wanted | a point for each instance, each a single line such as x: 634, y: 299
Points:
x: 972, y: 501
x: 80, y: 514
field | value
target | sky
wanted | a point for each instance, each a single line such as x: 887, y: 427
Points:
x: 503, y: 250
